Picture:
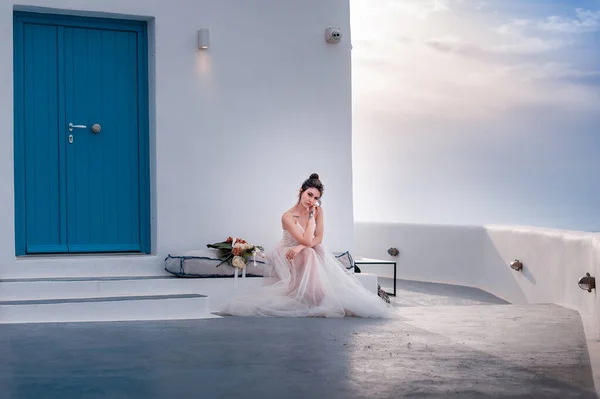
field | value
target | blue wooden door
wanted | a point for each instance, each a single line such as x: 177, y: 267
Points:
x: 81, y: 161
x: 102, y: 167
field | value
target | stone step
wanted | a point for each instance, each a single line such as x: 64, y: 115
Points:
x: 218, y: 290
x: 86, y: 287
x: 107, y: 308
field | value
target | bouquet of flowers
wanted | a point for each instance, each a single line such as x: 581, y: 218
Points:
x: 236, y: 251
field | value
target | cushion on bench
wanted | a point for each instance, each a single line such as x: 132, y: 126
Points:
x: 203, y: 263
x: 347, y: 260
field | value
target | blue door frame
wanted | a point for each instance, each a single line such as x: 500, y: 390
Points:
x: 90, y: 194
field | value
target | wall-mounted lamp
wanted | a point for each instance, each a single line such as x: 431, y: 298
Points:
x: 587, y: 283
x: 203, y: 38
x: 516, y: 265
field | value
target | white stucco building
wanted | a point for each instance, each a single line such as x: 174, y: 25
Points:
x: 193, y: 144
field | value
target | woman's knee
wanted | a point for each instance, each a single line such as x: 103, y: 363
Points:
x: 309, y: 252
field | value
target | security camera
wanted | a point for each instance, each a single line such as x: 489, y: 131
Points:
x: 333, y: 35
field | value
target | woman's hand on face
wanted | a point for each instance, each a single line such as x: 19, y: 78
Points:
x: 315, y: 210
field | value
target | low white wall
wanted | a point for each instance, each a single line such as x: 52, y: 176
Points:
x: 444, y: 254
x: 553, y: 260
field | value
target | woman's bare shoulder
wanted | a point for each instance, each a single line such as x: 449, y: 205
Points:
x: 288, y: 215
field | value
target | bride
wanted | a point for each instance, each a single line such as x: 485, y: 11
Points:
x: 309, y: 280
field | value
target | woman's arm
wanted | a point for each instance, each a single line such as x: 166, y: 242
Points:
x: 292, y: 252
x: 313, y: 235
x: 289, y: 224
x: 319, y: 228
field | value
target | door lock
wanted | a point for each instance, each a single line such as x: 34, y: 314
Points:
x: 70, y: 139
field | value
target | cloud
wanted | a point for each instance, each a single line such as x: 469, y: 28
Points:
x: 525, y: 33
x: 481, y: 5
x: 461, y: 69
x: 440, y: 95
x: 455, y: 45
x: 524, y: 45
x: 548, y: 71
x: 426, y: 84
x: 405, y: 40
x: 532, y: 45
x: 585, y: 21
x: 514, y: 27
x: 421, y: 9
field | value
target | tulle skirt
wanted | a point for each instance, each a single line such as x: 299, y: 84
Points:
x: 314, y: 284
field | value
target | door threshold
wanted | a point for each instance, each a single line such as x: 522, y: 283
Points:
x: 85, y: 255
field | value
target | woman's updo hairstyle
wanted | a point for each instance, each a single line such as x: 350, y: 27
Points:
x: 312, y: 182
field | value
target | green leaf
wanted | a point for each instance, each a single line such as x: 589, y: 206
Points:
x: 219, y: 245
x: 227, y: 259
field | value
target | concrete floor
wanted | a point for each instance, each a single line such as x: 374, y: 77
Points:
x: 445, y: 349
x: 418, y: 293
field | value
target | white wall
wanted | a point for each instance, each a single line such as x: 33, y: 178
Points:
x: 553, y: 260
x: 235, y: 129
x: 427, y: 252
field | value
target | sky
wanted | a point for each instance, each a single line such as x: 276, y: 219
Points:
x: 477, y: 112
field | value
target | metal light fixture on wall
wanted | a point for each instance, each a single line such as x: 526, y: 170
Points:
x: 516, y: 265
x: 203, y: 38
x: 587, y: 283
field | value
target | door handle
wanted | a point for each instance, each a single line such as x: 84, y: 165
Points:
x: 72, y: 126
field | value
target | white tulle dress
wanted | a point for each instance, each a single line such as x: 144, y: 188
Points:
x: 314, y: 284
